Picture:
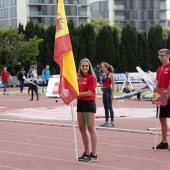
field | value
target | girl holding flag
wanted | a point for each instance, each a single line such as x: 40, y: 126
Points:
x: 86, y: 109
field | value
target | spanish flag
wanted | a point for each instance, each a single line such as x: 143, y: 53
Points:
x: 63, y: 56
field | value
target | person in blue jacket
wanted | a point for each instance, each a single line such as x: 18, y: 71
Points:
x: 46, y: 73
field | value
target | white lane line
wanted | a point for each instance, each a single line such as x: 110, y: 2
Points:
x: 63, y: 160
x: 54, y: 147
x: 100, y: 165
x: 7, y: 167
x: 21, y: 134
x: 56, y: 138
x: 70, y: 125
x: 30, y: 144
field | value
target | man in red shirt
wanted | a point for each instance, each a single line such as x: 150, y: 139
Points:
x: 4, y: 76
x: 163, y: 81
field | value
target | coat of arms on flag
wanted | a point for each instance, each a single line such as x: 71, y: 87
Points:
x: 59, y: 23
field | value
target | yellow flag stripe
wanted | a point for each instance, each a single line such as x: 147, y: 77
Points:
x: 69, y: 70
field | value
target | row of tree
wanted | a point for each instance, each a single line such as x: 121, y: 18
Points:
x: 124, y: 48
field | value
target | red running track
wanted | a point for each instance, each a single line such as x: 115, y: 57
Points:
x: 43, y: 147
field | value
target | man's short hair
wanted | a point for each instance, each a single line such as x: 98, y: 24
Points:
x: 164, y: 50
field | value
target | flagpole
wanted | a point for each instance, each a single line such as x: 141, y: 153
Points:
x: 157, y: 122
x: 74, y: 132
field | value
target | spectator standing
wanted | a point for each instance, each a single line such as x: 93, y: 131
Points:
x: 29, y: 75
x: 46, y: 73
x: 98, y: 72
x: 4, y: 77
x: 108, y: 93
x: 21, y: 74
x: 34, y: 86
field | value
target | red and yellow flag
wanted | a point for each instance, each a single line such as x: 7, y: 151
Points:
x: 63, y: 56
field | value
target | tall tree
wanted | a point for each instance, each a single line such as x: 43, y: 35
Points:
x: 49, y: 49
x: 81, y: 53
x: 16, y: 50
x: 143, y: 58
x: 21, y: 28
x: 155, y: 40
x: 99, y: 23
x: 28, y: 52
x: 74, y: 38
x: 129, y: 42
x: 168, y: 41
x: 105, y: 50
x: 116, y: 43
x: 90, y: 38
x: 29, y: 30
x: 41, y: 62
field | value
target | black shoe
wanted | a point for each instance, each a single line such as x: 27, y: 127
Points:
x: 81, y: 158
x: 37, y: 99
x: 162, y: 146
x: 31, y: 99
x: 91, y: 158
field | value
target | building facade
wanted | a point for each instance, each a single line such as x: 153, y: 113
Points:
x: 140, y: 13
x: 44, y: 11
x: 13, y: 12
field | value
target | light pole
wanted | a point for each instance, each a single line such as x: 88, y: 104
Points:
x: 78, y: 15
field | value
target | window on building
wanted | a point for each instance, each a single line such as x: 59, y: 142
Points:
x: 127, y: 14
x: 162, y: 15
x: 82, y: 20
x: 151, y: 15
x: 36, y: 20
x: 82, y: 1
x: 82, y: 11
x: 142, y: 25
x: 5, y: 23
x: 157, y: 15
x: 155, y: 4
x: 71, y: 10
x: 118, y: 2
x: 4, y: 13
x: 13, y: 2
x: 162, y: 23
x: 13, y: 12
x: 137, y: 4
x: 13, y: 23
x: 148, y: 4
x: 5, y: 3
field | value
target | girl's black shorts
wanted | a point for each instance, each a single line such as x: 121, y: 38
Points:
x: 86, y: 106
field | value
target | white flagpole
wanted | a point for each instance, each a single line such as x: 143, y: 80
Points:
x: 74, y: 132
x: 157, y: 122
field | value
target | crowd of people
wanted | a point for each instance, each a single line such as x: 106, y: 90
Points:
x: 31, y: 77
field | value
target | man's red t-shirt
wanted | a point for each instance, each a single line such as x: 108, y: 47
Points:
x: 163, y: 76
x: 5, y: 75
x: 87, y: 82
